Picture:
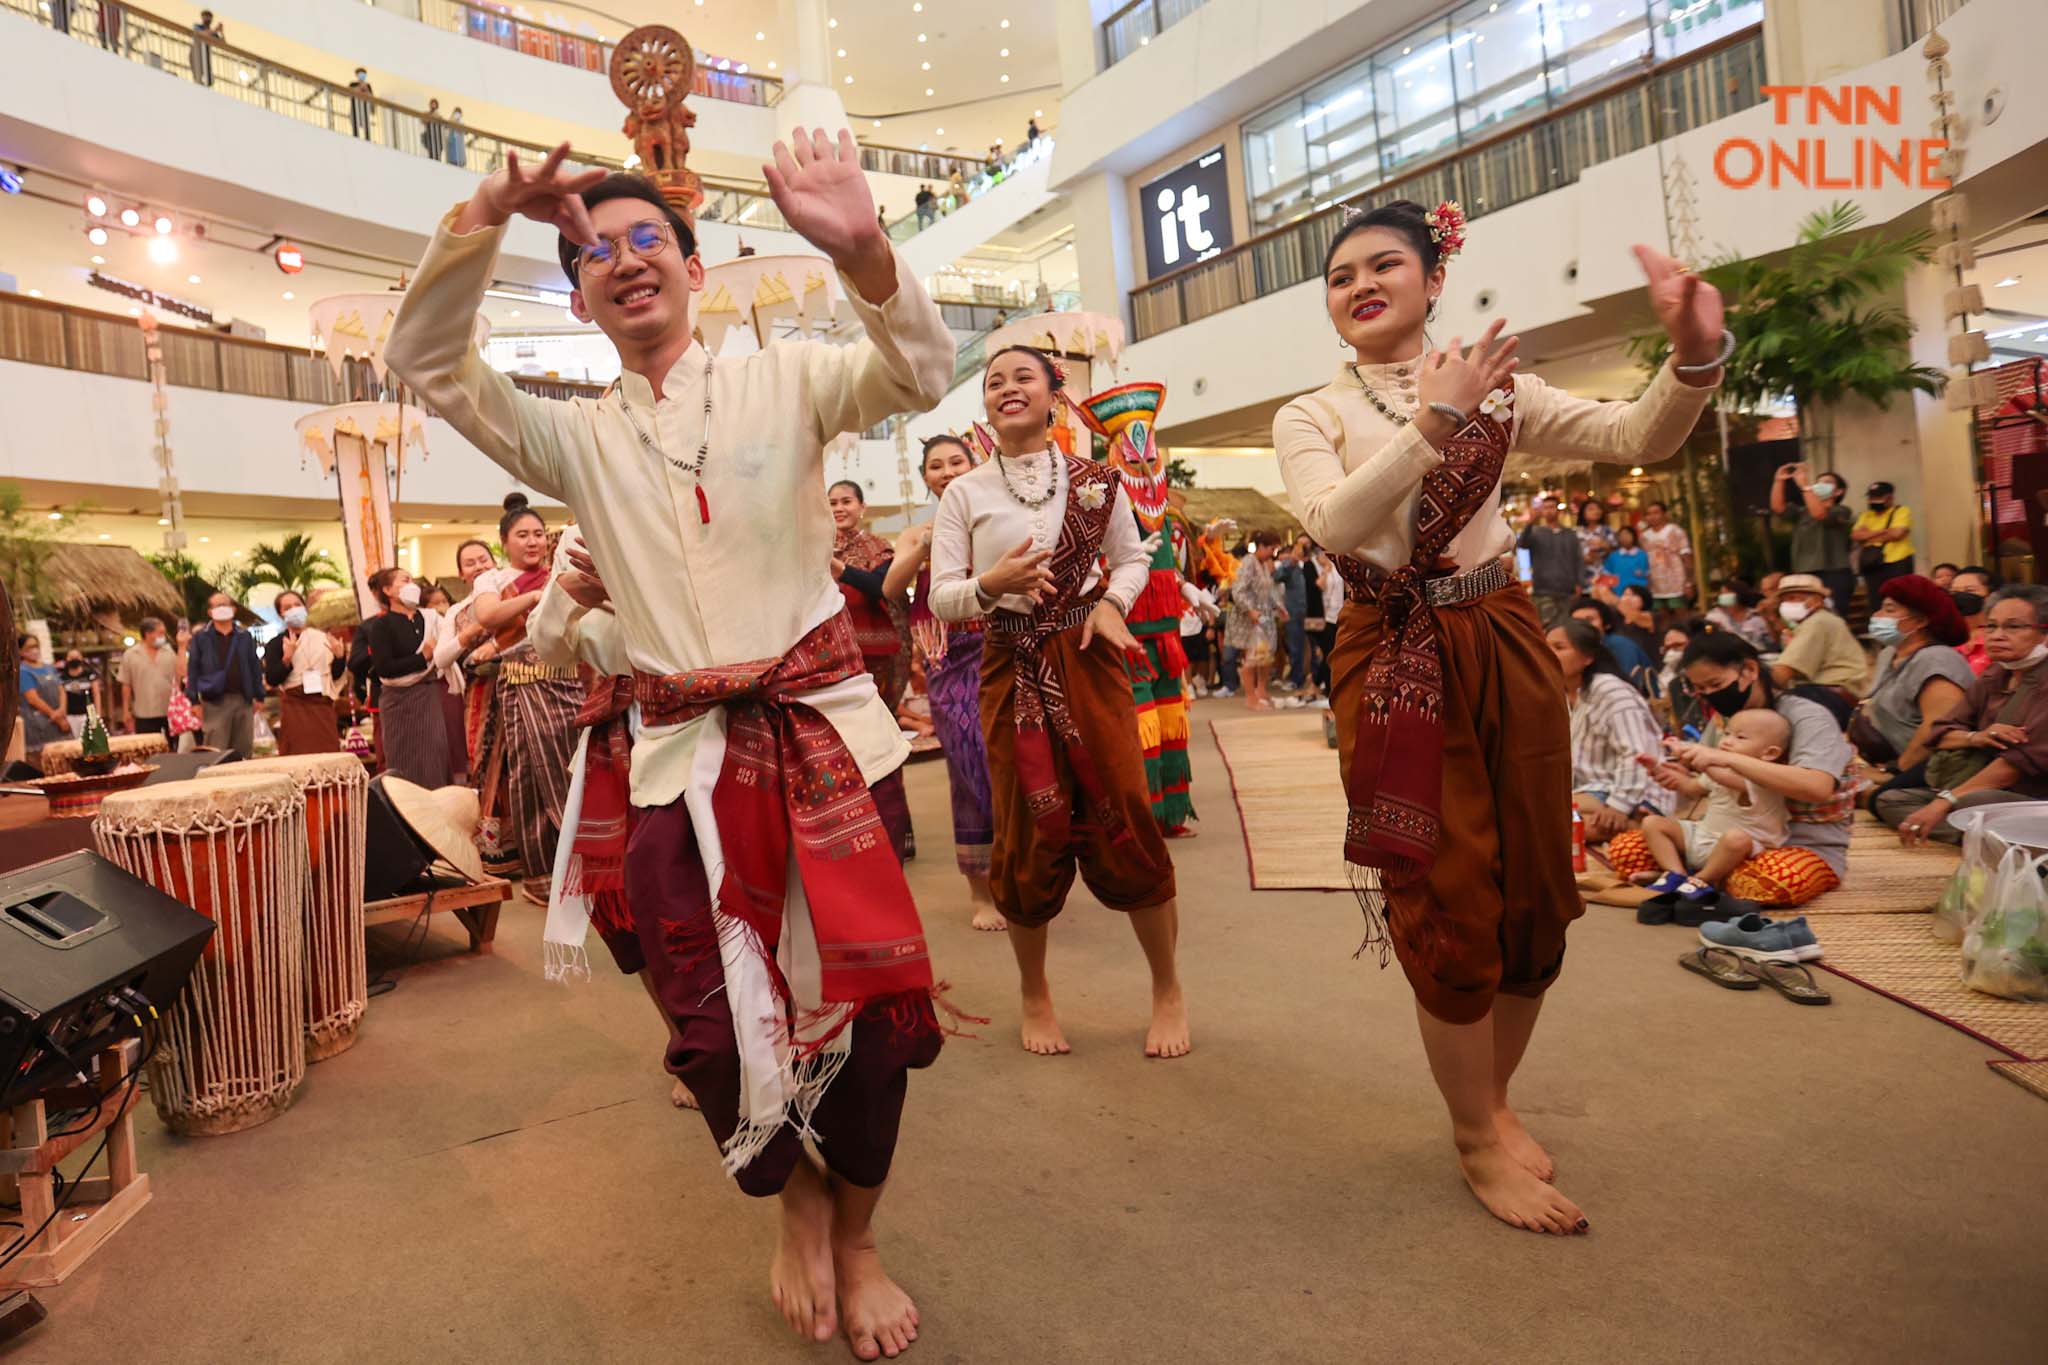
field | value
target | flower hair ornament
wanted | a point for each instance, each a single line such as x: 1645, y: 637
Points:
x: 1446, y: 228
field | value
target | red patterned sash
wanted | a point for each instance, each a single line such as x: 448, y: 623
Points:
x: 788, y: 781
x: 1395, y: 790
x: 873, y: 627
x: 1041, y: 700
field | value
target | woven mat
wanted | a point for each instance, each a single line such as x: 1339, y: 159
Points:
x: 1283, y: 775
x: 2026, y: 1075
x: 1896, y: 955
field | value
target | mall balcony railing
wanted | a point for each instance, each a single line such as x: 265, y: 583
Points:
x: 716, y: 78
x: 1484, y: 176
x: 936, y: 167
x: 40, y: 332
x: 991, y: 174
x: 1138, y: 23
x: 970, y: 358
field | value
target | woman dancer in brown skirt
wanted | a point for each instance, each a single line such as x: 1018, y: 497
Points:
x: 1017, y: 540
x: 1451, y: 725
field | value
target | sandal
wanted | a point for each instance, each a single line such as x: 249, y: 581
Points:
x: 1789, y: 979
x: 1719, y: 966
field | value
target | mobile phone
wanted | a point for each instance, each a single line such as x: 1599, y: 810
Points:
x: 1691, y: 732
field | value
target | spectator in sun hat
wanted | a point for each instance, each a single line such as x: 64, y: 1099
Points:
x: 1820, y: 647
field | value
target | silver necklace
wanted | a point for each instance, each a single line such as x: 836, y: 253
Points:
x: 1052, y: 484
x: 693, y: 467
x: 1373, y: 396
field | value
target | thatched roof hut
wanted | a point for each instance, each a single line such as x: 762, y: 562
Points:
x: 105, y: 587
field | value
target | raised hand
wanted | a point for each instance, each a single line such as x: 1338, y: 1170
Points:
x: 1687, y: 306
x: 546, y: 194
x: 823, y: 193
x: 1022, y: 571
x: 1464, y: 378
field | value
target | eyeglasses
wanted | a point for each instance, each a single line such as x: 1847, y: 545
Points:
x: 647, y: 238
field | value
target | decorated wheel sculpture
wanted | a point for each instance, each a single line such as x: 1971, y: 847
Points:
x: 653, y: 64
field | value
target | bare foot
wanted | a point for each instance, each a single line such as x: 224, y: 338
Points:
x: 877, y: 1317
x: 1041, y: 1029
x: 989, y: 920
x: 800, y: 1279
x: 1521, y: 1146
x: 681, y: 1097
x: 1168, y: 1036
x: 1515, y: 1196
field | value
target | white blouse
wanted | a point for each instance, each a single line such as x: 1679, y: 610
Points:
x: 980, y: 520
x: 1354, y: 477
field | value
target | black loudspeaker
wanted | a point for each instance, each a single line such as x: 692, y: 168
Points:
x: 75, y: 931
x: 394, y: 857
x: 179, y: 767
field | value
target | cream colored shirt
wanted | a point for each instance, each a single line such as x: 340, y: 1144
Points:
x: 565, y: 632
x: 757, y: 578
x: 312, y: 654
x: 980, y: 520
x: 1354, y: 478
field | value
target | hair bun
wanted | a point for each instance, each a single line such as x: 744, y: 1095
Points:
x: 515, y: 502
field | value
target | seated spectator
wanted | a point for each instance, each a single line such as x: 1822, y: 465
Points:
x: 1814, y: 778
x: 1819, y: 646
x: 1920, y: 677
x: 1686, y: 708
x: 1994, y: 745
x: 1973, y: 588
x: 1638, y: 617
x: 1735, y: 611
x: 1628, y: 563
x: 1611, y: 726
x: 1630, y: 653
x: 1743, y: 818
x: 1943, y: 574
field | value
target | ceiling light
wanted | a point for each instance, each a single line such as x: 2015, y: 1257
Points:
x: 1006, y: 23
x: 927, y: 90
x: 878, y: 123
x: 920, y: 37
x: 35, y: 293
x: 191, y: 279
x: 833, y: 23
x: 741, y: 68
x: 1006, y: 78
x: 1406, y: 50
x: 941, y: 132
x: 106, y: 535
x: 772, y: 66
x: 2008, y: 282
x: 840, y: 53
x: 1004, y: 53
x: 759, y: 36
x: 426, y: 526
x: 849, y: 80
x: 163, y: 250
x: 95, y: 206
x: 926, y: 67
x: 1038, y: 113
x: 322, y: 554
x: 163, y: 521
x: 99, y: 260
x: 134, y: 312
x: 130, y: 218
x: 515, y: 312
x: 917, y: 7
x: 163, y: 225
x: 97, y: 236
x: 56, y: 516
x: 289, y: 296
x: 206, y: 540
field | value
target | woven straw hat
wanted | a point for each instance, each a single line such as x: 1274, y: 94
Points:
x: 445, y: 818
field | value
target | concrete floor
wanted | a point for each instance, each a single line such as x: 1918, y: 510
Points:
x: 494, y: 1172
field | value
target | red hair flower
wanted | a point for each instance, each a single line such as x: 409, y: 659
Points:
x: 1446, y: 228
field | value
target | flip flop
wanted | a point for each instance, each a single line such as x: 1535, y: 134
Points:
x: 1719, y: 966
x: 1789, y: 979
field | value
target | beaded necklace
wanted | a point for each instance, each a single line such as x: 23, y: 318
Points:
x: 693, y: 467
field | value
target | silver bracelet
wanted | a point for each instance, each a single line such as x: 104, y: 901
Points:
x: 1727, y: 349
x: 1457, y: 415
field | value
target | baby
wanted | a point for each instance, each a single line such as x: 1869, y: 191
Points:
x: 1742, y: 819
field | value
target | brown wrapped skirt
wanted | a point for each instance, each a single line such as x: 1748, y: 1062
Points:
x: 1028, y: 876
x: 1501, y: 888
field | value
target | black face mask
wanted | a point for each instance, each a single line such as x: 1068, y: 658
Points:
x: 1728, y: 700
x: 1879, y: 505
x: 1968, y: 603
x: 74, y: 665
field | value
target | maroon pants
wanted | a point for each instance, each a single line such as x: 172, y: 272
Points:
x: 855, y: 1122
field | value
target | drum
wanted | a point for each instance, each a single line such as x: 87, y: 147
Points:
x: 62, y: 755
x: 233, y: 848
x: 336, y: 788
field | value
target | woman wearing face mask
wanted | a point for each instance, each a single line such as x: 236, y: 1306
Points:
x: 1919, y: 680
x: 300, y: 665
x: 1735, y: 611
x: 410, y: 729
x: 42, y: 699
x: 1047, y: 548
x: 1686, y: 707
x: 81, y: 683
x: 1820, y: 527
x: 1972, y: 588
x: 1453, y: 737
x: 1815, y: 778
x: 526, y: 774
x: 1993, y: 746
x: 953, y: 679
x: 467, y: 657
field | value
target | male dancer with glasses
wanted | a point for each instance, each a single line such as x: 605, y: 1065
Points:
x: 758, y: 876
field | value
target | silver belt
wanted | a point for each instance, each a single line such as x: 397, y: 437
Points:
x: 1455, y: 590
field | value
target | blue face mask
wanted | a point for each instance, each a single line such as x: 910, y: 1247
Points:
x: 1884, y: 630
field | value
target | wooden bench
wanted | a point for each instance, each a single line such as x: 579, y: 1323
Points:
x: 476, y: 905
x: 98, y: 1205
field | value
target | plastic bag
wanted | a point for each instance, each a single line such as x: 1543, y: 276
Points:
x: 2005, y: 950
x: 1964, y: 898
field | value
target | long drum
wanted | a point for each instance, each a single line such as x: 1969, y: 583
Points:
x: 232, y: 1053
x: 337, y: 791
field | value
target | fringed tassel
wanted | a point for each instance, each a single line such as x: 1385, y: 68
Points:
x: 564, y: 962
x: 690, y: 941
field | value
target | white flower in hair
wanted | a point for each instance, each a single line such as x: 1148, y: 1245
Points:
x: 1091, y: 495
x: 1497, y: 403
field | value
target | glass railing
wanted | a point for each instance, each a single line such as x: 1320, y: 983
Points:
x: 717, y: 78
x: 1913, y: 20
x: 1138, y: 23
x: 152, y: 41
x: 39, y: 332
x: 992, y: 174
x: 741, y: 206
x: 1484, y: 177
x: 936, y: 167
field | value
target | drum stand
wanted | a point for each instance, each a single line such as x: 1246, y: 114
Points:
x: 98, y: 1205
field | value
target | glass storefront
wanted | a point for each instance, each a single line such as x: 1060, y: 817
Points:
x: 1457, y: 80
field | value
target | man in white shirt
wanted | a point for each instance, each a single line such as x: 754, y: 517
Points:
x: 756, y: 732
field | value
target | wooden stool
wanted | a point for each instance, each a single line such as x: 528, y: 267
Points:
x: 98, y: 1204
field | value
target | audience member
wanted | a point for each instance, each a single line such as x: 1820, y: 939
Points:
x: 81, y: 683
x: 1883, y: 536
x: 1611, y: 725
x: 149, y: 674
x: 1735, y: 611
x: 1819, y: 646
x: 361, y: 112
x: 1628, y: 563
x: 927, y: 205
x: 1291, y: 571
x: 1670, y: 552
x: 224, y: 678
x: 1743, y: 817
x: 41, y: 708
x: 1556, y: 556
x: 1820, y: 527
x: 1943, y: 575
x: 1629, y: 654
x: 1920, y: 677
x: 1596, y: 540
x: 1971, y: 590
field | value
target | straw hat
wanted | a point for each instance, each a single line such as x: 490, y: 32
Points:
x: 445, y: 818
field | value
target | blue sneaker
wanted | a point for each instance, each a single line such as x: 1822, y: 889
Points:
x: 1761, y: 939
